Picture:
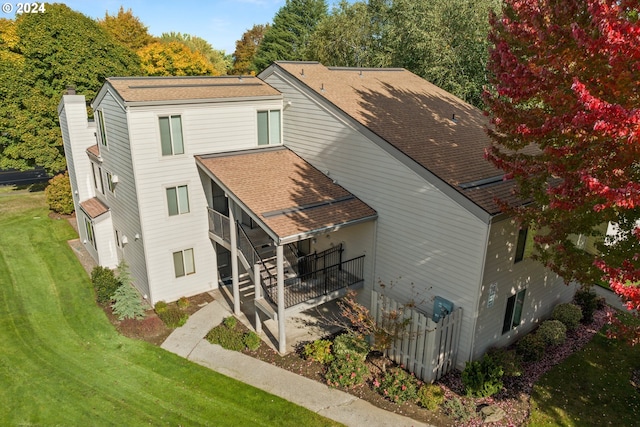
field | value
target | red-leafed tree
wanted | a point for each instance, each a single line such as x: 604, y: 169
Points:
x: 565, y: 104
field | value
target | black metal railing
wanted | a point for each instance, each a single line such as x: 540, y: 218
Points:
x: 248, y: 249
x: 220, y: 225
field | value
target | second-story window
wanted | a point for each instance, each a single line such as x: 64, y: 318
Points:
x: 178, y: 200
x: 269, y: 127
x: 102, y: 130
x: 100, y: 179
x: 171, y: 135
x: 110, y: 184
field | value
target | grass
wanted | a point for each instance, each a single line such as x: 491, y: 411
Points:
x: 591, y: 388
x: 63, y: 363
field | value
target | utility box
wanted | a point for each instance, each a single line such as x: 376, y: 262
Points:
x: 441, y: 308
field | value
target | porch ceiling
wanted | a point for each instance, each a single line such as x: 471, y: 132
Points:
x: 288, y: 195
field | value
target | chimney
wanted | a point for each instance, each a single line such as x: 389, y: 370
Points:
x: 71, y: 90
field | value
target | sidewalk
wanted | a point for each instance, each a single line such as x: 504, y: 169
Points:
x: 188, y: 342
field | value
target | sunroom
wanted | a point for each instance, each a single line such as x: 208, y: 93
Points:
x: 300, y: 237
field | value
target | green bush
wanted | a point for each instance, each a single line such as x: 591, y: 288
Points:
x: 318, y: 350
x: 58, y: 194
x: 508, y: 359
x: 552, y: 332
x: 183, y: 302
x: 588, y: 302
x: 251, y: 340
x: 127, y: 304
x: 352, y: 344
x: 160, y: 307
x: 105, y: 283
x: 459, y: 410
x: 430, y: 396
x: 346, y: 370
x: 482, y: 378
x: 173, y: 317
x: 226, y: 337
x: 569, y: 314
x: 230, y: 322
x: 531, y: 348
x: 398, y: 386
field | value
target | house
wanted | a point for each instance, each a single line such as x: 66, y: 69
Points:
x: 335, y: 178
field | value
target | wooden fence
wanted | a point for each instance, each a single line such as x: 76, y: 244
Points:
x: 426, y: 348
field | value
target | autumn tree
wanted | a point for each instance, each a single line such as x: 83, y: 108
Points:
x: 565, y: 105
x: 41, y: 54
x: 288, y: 37
x: 126, y: 29
x: 246, y: 49
x: 173, y: 59
x: 216, y: 58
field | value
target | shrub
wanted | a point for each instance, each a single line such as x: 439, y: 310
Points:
x: 588, y: 302
x: 226, y: 337
x: 127, y: 304
x: 459, y: 410
x: 251, y: 340
x: 58, y: 194
x: 230, y: 322
x: 346, y: 370
x: 160, y: 307
x: 482, y: 378
x: 569, y: 314
x: 430, y: 396
x: 183, y: 302
x: 552, y: 332
x: 105, y: 283
x: 352, y: 344
x: 318, y: 350
x: 530, y: 348
x: 173, y: 317
x: 398, y: 386
x: 508, y: 360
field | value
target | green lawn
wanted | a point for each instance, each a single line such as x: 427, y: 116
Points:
x: 62, y: 363
x: 591, y: 388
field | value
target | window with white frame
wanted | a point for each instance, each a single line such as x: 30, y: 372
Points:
x: 171, y: 135
x: 91, y: 237
x: 110, y: 184
x: 178, y: 200
x: 269, y: 127
x: 102, y: 130
x: 101, y: 188
x: 183, y: 263
x: 513, y: 314
x: 93, y: 172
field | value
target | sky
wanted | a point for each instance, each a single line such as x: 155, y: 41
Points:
x: 221, y: 23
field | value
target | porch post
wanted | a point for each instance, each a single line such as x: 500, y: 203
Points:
x: 282, y: 336
x: 258, y: 295
x: 234, y: 260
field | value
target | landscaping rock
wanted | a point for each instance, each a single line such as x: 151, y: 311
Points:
x: 492, y: 414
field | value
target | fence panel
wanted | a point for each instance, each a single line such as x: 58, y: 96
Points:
x: 426, y: 348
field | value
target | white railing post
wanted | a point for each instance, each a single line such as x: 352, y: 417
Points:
x: 258, y: 295
x: 282, y: 335
x: 234, y: 262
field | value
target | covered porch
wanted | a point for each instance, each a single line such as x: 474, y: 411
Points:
x: 297, y: 236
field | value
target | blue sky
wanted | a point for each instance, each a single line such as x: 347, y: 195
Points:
x: 221, y: 23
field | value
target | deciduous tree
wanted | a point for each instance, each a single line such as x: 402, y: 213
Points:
x: 565, y: 105
x: 173, y: 59
x: 126, y: 29
x: 217, y: 58
x: 246, y: 49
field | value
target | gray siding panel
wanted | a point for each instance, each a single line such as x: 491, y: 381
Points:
x: 427, y: 244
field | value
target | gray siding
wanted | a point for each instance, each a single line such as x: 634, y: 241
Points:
x: 544, y: 290
x: 123, y: 202
x: 427, y: 244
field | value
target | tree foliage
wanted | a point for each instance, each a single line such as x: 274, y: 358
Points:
x: 173, y: 59
x: 58, y: 194
x: 126, y: 29
x: 247, y: 48
x: 288, y: 37
x: 565, y: 105
x: 216, y: 58
x: 41, y: 54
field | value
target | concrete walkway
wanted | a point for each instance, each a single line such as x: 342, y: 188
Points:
x: 188, y: 342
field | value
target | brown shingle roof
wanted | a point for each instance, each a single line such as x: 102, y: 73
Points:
x: 94, y: 151
x: 149, y: 89
x: 437, y: 130
x: 288, y: 194
x: 93, y: 207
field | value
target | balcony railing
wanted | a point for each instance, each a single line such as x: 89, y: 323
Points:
x: 219, y: 225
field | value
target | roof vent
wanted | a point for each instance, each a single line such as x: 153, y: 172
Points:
x: 322, y: 88
x: 302, y: 72
x: 454, y: 118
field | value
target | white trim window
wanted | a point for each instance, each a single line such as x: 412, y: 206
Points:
x: 101, y: 188
x: 178, y: 200
x: 102, y: 130
x: 171, y: 135
x: 91, y: 236
x: 183, y: 263
x: 269, y: 127
x: 110, y: 184
x: 513, y: 314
